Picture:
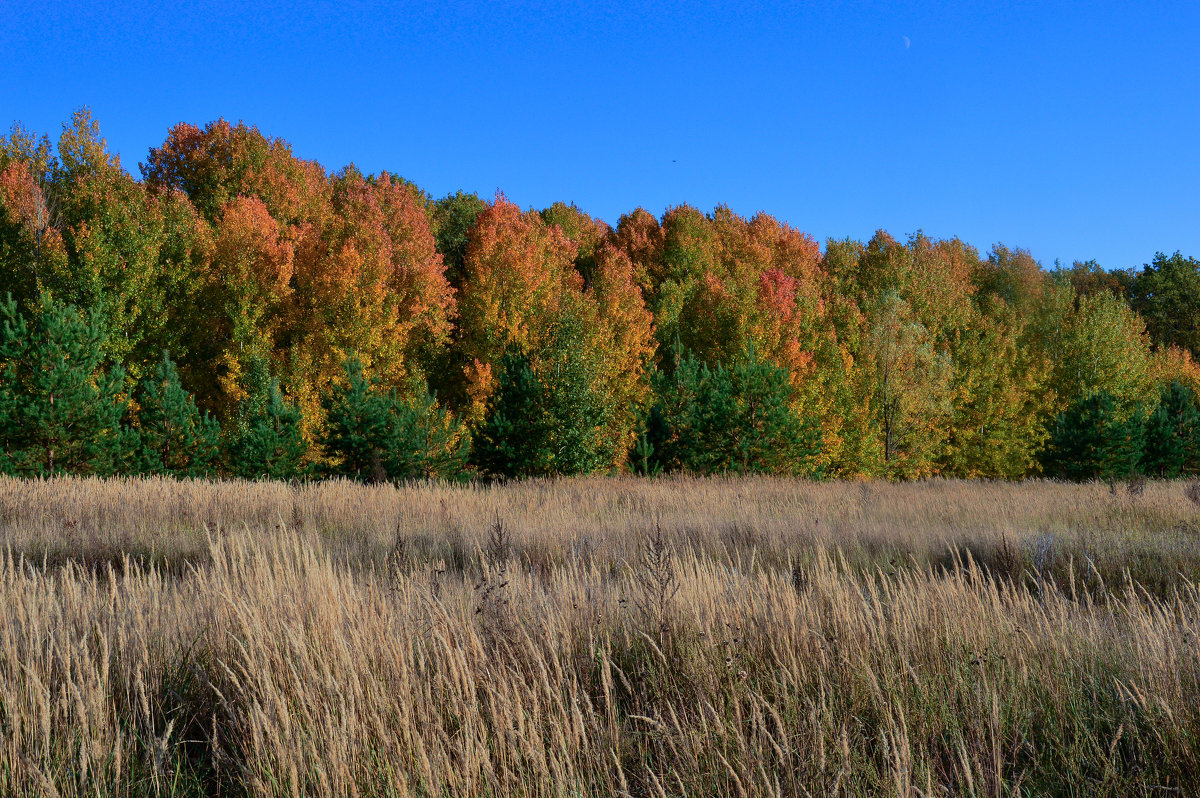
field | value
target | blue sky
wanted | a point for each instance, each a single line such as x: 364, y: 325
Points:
x: 1071, y: 129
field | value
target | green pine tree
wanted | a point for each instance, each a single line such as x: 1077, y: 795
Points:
x: 1091, y: 439
x: 373, y: 435
x: 756, y: 425
x: 60, y: 408
x: 672, y: 440
x: 1172, y: 446
x: 550, y: 414
x: 269, y: 442
x: 359, y: 421
x: 728, y: 419
x: 427, y: 442
x: 175, y: 437
x: 643, y: 457
x: 514, y: 440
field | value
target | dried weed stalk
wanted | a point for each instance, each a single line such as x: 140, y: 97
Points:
x: 659, y: 583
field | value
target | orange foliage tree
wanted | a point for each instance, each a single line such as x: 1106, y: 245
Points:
x: 520, y: 285
x: 221, y: 161
x: 249, y: 280
x: 517, y: 273
x: 368, y: 282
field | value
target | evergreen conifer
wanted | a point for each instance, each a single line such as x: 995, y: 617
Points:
x: 427, y: 442
x: 1092, y: 440
x: 358, y: 424
x: 60, y: 407
x: 1172, y: 446
x: 269, y: 442
x: 514, y: 437
x: 175, y: 437
x: 728, y: 419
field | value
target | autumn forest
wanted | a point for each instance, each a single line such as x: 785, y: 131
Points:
x: 229, y: 308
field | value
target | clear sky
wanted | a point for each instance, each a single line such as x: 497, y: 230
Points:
x: 1071, y: 129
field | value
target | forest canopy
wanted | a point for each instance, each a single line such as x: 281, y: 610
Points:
x: 234, y: 309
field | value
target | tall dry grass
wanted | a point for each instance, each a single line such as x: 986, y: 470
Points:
x: 594, y: 637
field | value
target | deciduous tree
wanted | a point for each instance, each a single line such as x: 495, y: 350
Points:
x: 1166, y: 294
x: 910, y: 386
x: 518, y: 272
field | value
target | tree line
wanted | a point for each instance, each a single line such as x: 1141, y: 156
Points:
x: 237, y: 310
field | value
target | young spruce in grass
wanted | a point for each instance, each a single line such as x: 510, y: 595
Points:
x: 357, y: 425
x: 1095, y: 439
x: 659, y: 584
x: 427, y: 441
x: 1172, y: 440
x: 491, y: 592
x: 550, y: 413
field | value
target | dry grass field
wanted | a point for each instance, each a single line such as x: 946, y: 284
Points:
x: 599, y: 637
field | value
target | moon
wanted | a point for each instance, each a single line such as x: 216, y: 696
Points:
x: 907, y: 42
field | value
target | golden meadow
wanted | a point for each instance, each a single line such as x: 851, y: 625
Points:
x: 599, y: 637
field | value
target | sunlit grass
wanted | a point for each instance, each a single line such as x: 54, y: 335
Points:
x: 598, y: 637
